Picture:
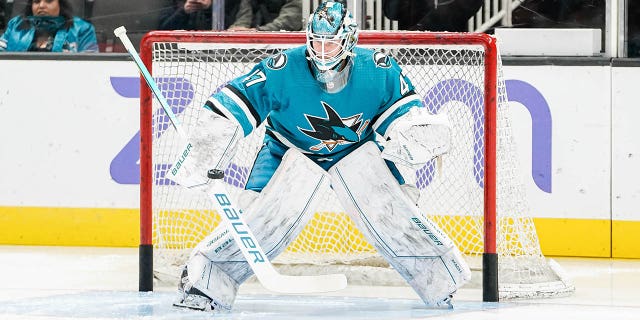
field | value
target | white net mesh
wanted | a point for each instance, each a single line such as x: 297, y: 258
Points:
x: 451, y: 79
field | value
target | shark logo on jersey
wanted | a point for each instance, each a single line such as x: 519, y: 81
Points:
x: 382, y: 60
x: 277, y: 62
x: 334, y: 130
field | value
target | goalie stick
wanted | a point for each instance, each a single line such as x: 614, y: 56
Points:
x: 242, y: 235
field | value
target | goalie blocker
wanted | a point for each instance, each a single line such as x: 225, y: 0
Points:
x: 417, y: 137
x: 423, y: 255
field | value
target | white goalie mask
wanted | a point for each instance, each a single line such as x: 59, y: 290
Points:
x: 332, y: 33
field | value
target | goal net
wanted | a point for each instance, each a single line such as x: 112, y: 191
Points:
x: 458, y: 74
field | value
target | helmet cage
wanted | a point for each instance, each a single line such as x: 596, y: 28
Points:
x: 326, y: 51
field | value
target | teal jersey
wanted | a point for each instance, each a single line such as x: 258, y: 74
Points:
x: 299, y: 113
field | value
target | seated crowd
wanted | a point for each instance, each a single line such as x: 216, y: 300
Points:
x: 87, y: 25
x: 55, y: 26
x: 49, y: 26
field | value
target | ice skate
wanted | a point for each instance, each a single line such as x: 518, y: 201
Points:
x: 192, y: 298
x: 445, y: 303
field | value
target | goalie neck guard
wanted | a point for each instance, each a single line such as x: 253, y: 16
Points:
x: 331, y: 37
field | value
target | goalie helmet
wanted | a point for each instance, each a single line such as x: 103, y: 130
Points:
x: 332, y: 33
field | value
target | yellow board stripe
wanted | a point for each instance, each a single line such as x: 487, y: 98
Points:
x: 120, y: 228
x: 69, y: 226
x: 574, y: 237
x: 626, y: 239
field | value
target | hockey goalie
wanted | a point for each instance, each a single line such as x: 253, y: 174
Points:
x: 325, y: 106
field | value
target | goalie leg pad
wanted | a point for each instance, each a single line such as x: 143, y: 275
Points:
x: 197, y: 290
x: 423, y: 255
x: 276, y: 216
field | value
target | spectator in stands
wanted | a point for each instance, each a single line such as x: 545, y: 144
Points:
x: 49, y: 26
x: 431, y: 15
x: 633, y: 29
x: 197, y: 15
x: 269, y: 15
x: 560, y: 14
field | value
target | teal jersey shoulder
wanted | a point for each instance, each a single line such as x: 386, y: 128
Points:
x: 282, y: 91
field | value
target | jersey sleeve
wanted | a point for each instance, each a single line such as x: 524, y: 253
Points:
x: 245, y: 99
x: 401, y: 95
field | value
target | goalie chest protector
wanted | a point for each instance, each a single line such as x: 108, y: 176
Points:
x: 282, y: 90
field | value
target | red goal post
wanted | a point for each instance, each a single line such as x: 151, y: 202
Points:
x: 216, y: 52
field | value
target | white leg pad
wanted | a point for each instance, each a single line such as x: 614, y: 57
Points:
x: 205, y: 276
x: 276, y: 216
x: 423, y: 255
